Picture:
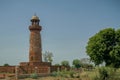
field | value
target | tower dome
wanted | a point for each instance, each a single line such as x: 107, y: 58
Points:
x: 35, y: 18
x: 35, y: 23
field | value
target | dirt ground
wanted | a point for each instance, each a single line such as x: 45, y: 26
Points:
x: 52, y: 78
x: 44, y: 78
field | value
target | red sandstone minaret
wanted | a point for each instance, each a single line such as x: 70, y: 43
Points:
x: 35, y: 51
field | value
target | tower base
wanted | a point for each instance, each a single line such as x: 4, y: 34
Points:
x: 31, y: 67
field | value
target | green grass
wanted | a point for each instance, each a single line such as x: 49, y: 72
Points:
x: 94, y: 74
x: 81, y: 75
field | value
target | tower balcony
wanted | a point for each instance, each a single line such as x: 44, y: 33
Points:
x: 35, y: 27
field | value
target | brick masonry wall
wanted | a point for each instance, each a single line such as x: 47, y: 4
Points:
x: 25, y: 69
x: 33, y: 69
x: 7, y: 69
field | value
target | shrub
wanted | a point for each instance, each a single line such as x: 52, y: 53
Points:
x: 22, y: 77
x: 103, y: 72
x: 72, y: 74
x: 34, y: 76
x: 66, y: 74
x: 96, y: 78
x: 54, y: 74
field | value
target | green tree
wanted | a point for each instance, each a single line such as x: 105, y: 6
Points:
x: 65, y: 63
x: 48, y: 56
x: 76, y: 63
x: 115, y: 52
x: 57, y: 64
x: 86, y: 63
x: 104, y: 46
x: 6, y: 64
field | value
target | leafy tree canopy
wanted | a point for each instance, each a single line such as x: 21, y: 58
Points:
x: 65, y: 63
x: 86, y: 63
x: 57, y: 64
x: 104, y: 46
x: 6, y: 64
x: 48, y: 56
x: 76, y: 63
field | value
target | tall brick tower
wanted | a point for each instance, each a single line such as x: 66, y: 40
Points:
x: 35, y: 50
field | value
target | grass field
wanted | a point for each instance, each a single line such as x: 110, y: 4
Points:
x: 94, y: 74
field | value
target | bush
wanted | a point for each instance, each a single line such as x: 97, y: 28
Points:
x: 66, y: 74
x: 96, y: 78
x: 54, y: 74
x: 34, y: 76
x: 22, y: 77
x: 72, y: 74
x: 103, y: 72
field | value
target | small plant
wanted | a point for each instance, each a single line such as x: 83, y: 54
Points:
x: 54, y: 74
x: 22, y: 77
x: 103, y: 73
x: 72, y: 74
x: 96, y: 78
x: 34, y: 76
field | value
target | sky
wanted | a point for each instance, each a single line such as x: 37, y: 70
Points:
x: 67, y: 26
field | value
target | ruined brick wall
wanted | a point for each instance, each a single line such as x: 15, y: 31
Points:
x: 59, y: 68
x: 7, y: 69
x: 33, y: 69
x: 55, y: 68
x: 25, y: 69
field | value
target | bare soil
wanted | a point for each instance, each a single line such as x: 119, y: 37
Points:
x: 52, y: 78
